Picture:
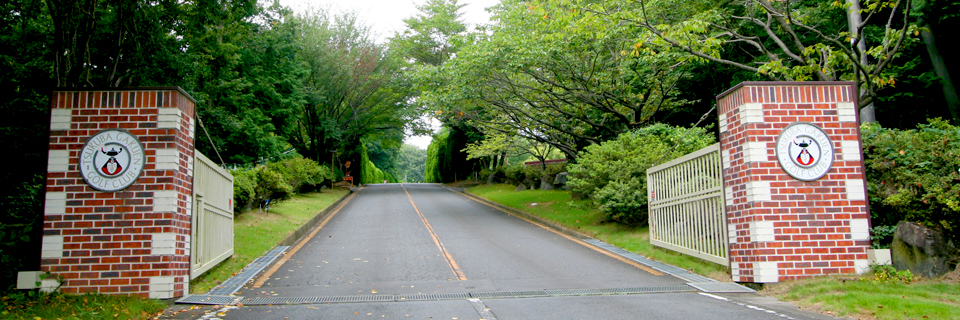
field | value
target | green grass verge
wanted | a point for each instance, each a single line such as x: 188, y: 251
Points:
x: 256, y: 232
x: 556, y: 206
x: 89, y: 306
x: 863, y: 298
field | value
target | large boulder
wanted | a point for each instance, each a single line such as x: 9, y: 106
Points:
x: 545, y: 185
x: 521, y: 187
x: 923, y: 251
x: 561, y: 178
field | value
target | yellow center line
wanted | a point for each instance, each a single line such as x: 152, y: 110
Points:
x: 286, y: 255
x: 446, y: 255
x: 605, y: 252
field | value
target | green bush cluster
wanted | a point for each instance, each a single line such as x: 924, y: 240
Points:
x: 277, y: 180
x: 438, y: 145
x: 614, y: 173
x: 529, y: 175
x: 914, y: 175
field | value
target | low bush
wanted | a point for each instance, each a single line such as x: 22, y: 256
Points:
x: 914, y: 175
x: 614, y: 173
x: 277, y: 181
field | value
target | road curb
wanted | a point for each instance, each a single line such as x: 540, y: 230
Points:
x: 526, y: 216
x: 305, y: 229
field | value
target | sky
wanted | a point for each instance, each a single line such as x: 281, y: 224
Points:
x: 386, y: 17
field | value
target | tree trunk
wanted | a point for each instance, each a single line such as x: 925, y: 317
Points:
x: 940, y: 67
x: 867, y: 113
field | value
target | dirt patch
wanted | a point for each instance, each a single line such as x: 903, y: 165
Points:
x: 952, y: 276
x: 540, y: 204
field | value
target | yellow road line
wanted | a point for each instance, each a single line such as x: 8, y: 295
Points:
x: 446, y: 255
x: 276, y: 266
x: 605, y: 252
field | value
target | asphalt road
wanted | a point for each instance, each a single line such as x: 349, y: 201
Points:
x: 416, y: 239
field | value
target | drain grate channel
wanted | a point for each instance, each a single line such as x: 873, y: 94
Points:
x: 251, y: 270
x: 720, y: 287
x: 208, y: 299
x: 464, y: 296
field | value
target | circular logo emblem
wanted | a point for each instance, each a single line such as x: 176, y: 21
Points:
x: 111, y: 160
x: 804, y: 151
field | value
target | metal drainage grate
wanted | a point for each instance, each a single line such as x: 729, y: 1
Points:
x: 665, y: 268
x: 510, y: 294
x: 720, y: 287
x: 251, y: 270
x: 464, y: 296
x: 208, y: 299
x: 432, y: 297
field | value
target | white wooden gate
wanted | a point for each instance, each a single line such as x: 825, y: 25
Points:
x: 212, y: 231
x: 686, y: 206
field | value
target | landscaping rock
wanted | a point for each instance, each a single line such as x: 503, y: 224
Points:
x: 521, y: 187
x: 545, y: 185
x: 923, y: 251
x: 561, y: 179
x: 490, y: 178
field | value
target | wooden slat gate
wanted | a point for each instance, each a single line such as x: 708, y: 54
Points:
x: 686, y: 209
x: 212, y: 231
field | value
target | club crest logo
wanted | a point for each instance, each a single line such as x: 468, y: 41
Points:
x: 111, y: 160
x: 805, y: 151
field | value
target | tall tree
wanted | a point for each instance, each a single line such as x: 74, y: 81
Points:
x: 781, y: 40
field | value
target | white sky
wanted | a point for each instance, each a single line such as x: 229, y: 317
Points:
x: 386, y: 17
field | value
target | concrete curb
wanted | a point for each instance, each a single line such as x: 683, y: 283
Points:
x: 525, y: 216
x: 308, y: 226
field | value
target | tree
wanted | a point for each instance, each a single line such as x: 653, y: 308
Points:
x: 783, y: 40
x: 411, y: 163
x: 558, y: 76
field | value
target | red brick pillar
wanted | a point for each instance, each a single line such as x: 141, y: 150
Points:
x: 793, y: 173
x: 119, y: 189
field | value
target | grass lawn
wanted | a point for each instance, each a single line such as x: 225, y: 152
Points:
x: 257, y: 232
x: 863, y: 298
x: 556, y: 206
x: 89, y: 306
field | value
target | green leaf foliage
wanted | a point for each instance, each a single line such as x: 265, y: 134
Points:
x: 914, y: 175
x: 277, y: 181
x: 614, y: 173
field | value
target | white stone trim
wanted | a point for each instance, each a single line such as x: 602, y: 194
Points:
x: 850, y: 149
x: 758, y: 191
x: 756, y: 152
x: 164, y: 243
x: 728, y: 195
x: 165, y: 201
x: 846, y: 112
x: 51, y: 247
x: 58, y: 161
x: 751, y: 113
x: 167, y: 159
x: 855, y: 190
x: 60, y: 119
x: 168, y: 118
x: 766, y: 272
x: 762, y: 231
x: 55, y: 203
x: 162, y: 287
x: 859, y: 229
x: 861, y: 265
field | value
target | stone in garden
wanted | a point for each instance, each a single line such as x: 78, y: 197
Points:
x: 561, y: 178
x: 923, y: 251
x: 545, y: 185
x: 521, y: 187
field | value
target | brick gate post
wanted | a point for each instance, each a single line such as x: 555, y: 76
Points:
x: 118, y: 191
x: 794, y: 180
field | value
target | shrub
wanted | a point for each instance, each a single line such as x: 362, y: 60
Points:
x: 914, y: 175
x: 514, y: 174
x: 301, y: 173
x: 244, y: 189
x: 614, y: 173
